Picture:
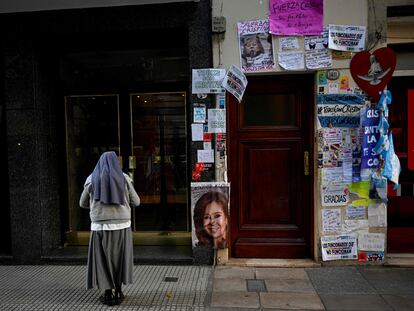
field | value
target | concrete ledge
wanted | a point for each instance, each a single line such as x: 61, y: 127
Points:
x: 272, y: 263
x: 399, y: 260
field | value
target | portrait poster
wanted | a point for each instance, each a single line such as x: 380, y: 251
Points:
x: 255, y: 43
x: 210, y: 210
x: 296, y: 18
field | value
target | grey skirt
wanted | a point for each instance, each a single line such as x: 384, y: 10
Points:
x: 110, y: 259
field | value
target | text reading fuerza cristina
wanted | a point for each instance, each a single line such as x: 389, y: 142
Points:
x: 296, y: 5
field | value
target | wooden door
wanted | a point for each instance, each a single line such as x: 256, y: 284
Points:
x: 271, y: 199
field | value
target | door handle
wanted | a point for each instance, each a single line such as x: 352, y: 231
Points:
x: 306, y: 163
x: 132, y: 163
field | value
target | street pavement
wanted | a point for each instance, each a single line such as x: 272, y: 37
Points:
x: 220, y: 288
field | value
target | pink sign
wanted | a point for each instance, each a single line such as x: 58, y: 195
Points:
x: 301, y: 17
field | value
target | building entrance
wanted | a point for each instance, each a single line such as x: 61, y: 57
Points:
x: 148, y: 132
x: 271, y: 173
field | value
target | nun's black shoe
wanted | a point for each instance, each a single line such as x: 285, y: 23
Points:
x: 119, y: 296
x: 107, y: 299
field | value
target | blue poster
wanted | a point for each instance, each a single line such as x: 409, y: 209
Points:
x: 371, y: 135
x: 340, y: 110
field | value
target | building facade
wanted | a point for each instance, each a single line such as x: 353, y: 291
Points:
x: 81, y: 79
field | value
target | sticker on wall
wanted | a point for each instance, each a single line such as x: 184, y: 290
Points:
x: 364, y: 256
x: 344, y: 83
x: 373, y: 71
x: 199, y: 114
x: 333, y: 74
x: 322, y: 78
x: 340, y: 55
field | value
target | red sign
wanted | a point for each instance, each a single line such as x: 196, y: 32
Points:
x: 410, y: 121
x: 373, y: 71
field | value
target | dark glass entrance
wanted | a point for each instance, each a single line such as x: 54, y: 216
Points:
x: 156, y: 159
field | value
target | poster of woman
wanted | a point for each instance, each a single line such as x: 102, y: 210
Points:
x: 210, y: 214
x: 255, y: 42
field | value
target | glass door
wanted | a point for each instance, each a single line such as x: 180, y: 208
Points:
x: 159, y: 161
x: 148, y: 132
x: 92, y: 127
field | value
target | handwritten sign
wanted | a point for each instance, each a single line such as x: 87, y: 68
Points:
x: 288, y: 43
x: 371, y: 135
x: 371, y: 242
x: 302, y: 17
x: 331, y: 220
x: 316, y: 59
x: 356, y: 212
x: 291, y: 60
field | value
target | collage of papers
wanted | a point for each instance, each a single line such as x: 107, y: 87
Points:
x: 353, y: 218
x: 303, y: 42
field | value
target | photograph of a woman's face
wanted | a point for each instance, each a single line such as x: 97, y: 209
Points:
x: 210, y: 217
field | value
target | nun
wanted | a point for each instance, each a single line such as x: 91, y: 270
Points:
x: 109, y: 194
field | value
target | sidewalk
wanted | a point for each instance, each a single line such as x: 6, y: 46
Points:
x: 224, y: 288
x: 323, y: 288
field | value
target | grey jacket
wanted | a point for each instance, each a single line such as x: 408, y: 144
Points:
x: 109, y: 213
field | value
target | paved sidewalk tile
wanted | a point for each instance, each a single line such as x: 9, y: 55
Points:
x: 281, y: 273
x: 225, y: 285
x: 354, y: 302
x: 235, y: 300
x: 273, y: 285
x: 389, y: 280
x: 400, y: 302
x: 63, y: 288
x: 339, y: 280
x: 223, y: 272
x: 291, y: 301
